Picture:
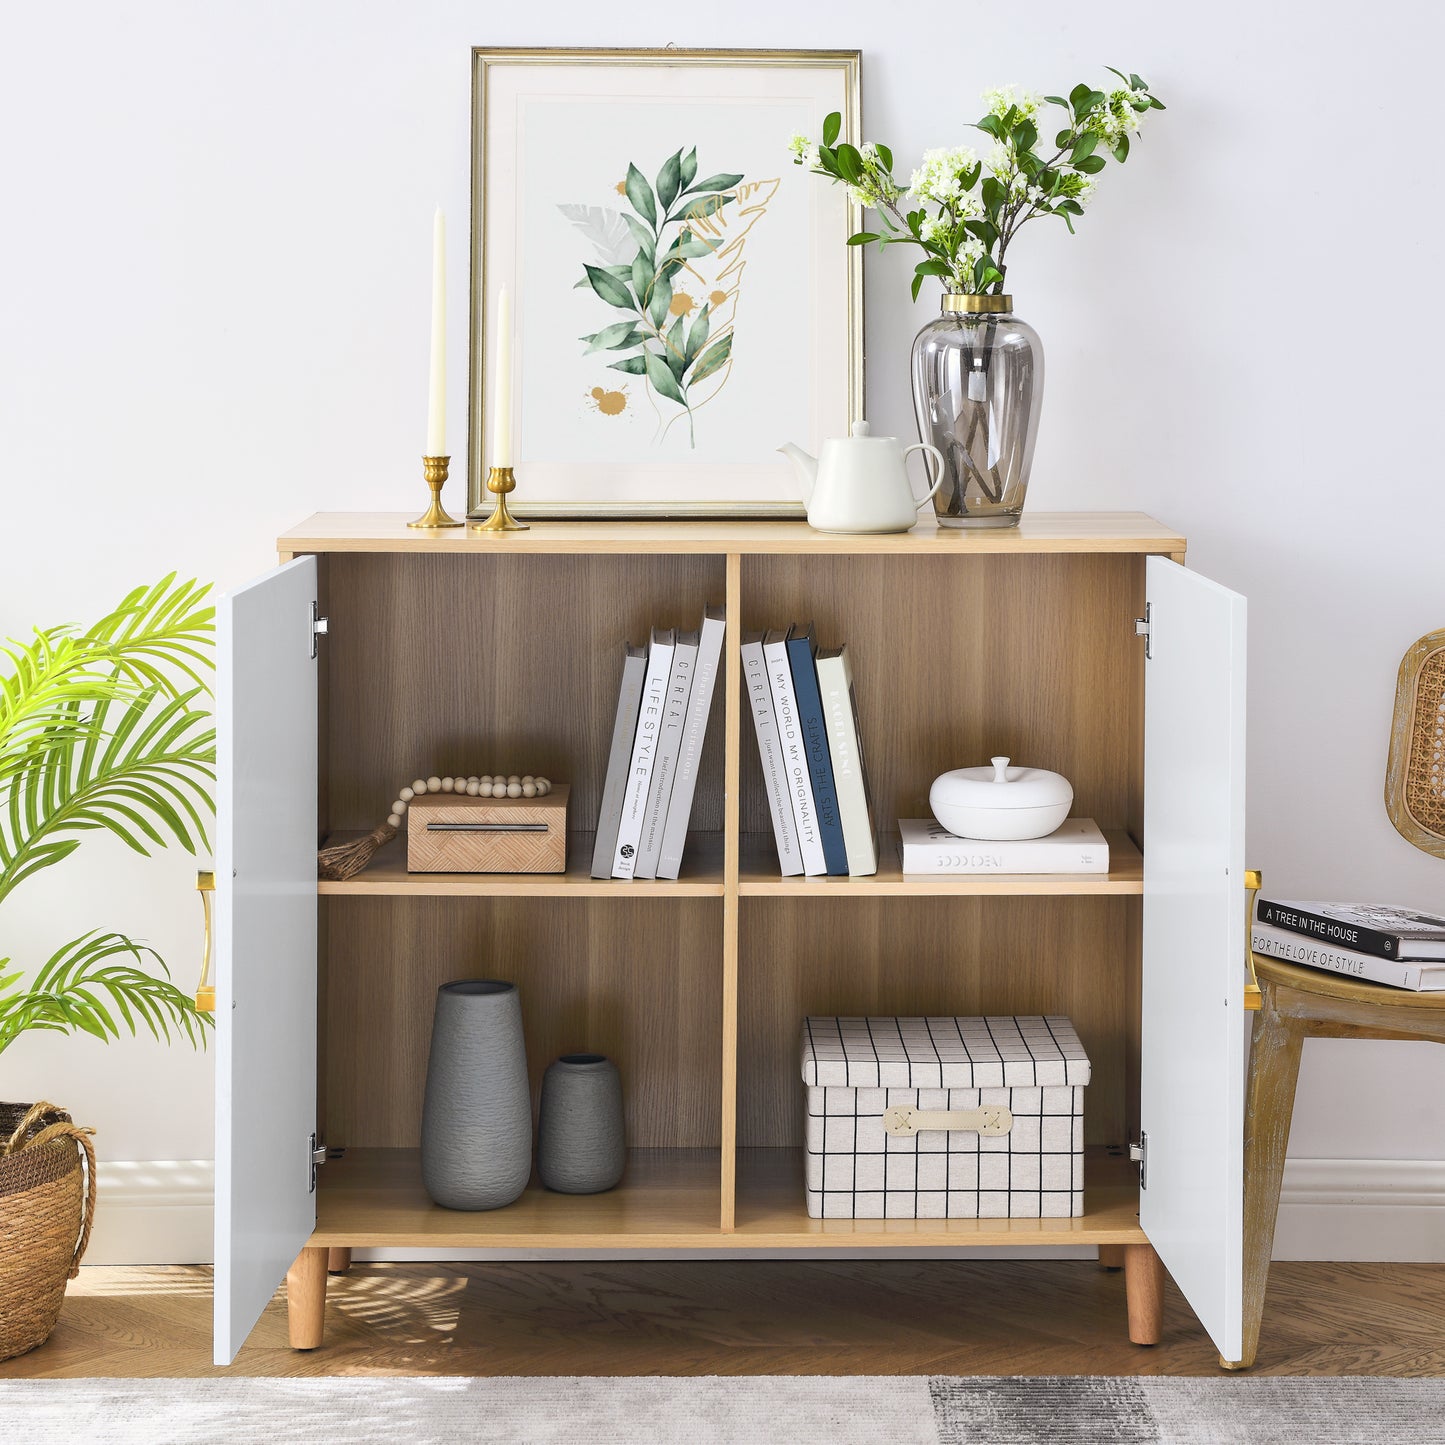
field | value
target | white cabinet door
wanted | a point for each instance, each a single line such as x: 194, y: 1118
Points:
x: 1192, y: 1066
x: 265, y: 941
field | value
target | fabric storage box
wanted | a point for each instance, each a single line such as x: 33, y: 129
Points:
x: 944, y: 1118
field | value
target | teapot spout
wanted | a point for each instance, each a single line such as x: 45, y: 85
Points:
x: 805, y: 465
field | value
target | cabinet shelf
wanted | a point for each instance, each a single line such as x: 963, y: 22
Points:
x: 702, y: 876
x: 670, y: 1199
x: 758, y: 876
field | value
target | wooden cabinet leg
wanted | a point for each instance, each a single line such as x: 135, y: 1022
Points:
x: 1111, y: 1256
x: 338, y: 1261
x: 1144, y: 1291
x: 306, y: 1299
x: 1274, y: 1059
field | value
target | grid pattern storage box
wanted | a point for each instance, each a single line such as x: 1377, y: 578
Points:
x: 944, y: 1118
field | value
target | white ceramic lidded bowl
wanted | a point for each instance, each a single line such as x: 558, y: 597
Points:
x: 1001, y: 804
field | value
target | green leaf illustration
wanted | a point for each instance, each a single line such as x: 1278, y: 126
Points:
x: 713, y: 359
x: 723, y: 181
x: 677, y: 347
x: 613, y: 338
x: 669, y: 180
x: 642, y: 236
x: 690, y: 245
x: 661, y: 377
x: 701, y: 207
x: 609, y: 288
x: 660, y: 300
x: 640, y: 194
x: 642, y: 278
x: 632, y: 365
x: 697, y: 334
x: 689, y: 167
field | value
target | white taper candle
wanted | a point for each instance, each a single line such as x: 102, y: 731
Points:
x: 502, y: 382
x: 436, y: 410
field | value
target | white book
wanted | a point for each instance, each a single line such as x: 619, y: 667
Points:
x: 795, y: 753
x: 644, y: 749
x: 669, y: 745
x: 694, y: 734
x: 927, y: 846
x: 845, y: 744
x: 1278, y: 942
x: 759, y: 695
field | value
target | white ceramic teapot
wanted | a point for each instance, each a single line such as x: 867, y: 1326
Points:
x: 860, y: 484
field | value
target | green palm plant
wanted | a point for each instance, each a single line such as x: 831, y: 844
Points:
x: 106, y: 729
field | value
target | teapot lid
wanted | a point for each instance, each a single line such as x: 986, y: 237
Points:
x: 1004, y: 786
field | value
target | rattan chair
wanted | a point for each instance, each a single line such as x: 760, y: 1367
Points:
x: 1294, y: 1003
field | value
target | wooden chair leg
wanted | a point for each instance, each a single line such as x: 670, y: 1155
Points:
x: 1111, y: 1256
x: 1274, y: 1059
x: 1144, y: 1291
x: 338, y: 1261
x: 306, y: 1299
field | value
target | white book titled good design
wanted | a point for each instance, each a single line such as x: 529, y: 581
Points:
x: 770, y: 752
x: 1077, y: 847
x: 699, y: 705
x: 1293, y: 947
x: 795, y: 756
x: 669, y: 745
x: 644, y: 750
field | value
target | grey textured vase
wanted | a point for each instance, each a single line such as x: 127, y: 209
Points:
x: 476, y: 1124
x: 580, y: 1144
x: 978, y: 383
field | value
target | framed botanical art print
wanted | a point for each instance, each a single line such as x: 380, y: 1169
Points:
x: 681, y: 299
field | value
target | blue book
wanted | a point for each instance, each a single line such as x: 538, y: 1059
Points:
x: 801, y: 650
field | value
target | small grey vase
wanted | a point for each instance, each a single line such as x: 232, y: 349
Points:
x: 476, y: 1125
x: 580, y: 1143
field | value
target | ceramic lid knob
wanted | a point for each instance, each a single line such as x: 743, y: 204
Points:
x: 861, y: 429
x: 1000, y: 769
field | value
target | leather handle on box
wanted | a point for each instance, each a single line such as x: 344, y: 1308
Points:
x: 991, y: 1120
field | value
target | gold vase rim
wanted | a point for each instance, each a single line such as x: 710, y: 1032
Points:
x: 956, y: 301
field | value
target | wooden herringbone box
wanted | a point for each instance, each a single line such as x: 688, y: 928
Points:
x: 447, y: 833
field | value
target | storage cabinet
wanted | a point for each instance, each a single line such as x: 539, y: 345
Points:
x: 460, y: 652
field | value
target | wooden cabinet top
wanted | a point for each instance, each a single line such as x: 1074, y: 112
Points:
x: 1038, y: 532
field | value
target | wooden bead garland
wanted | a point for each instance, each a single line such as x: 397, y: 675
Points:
x: 345, y: 860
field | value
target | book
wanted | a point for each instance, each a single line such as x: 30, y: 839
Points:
x: 802, y: 648
x: 759, y: 695
x: 926, y: 846
x: 795, y: 759
x: 694, y: 734
x: 1295, y: 947
x: 669, y: 745
x: 624, y: 726
x: 644, y: 748
x: 850, y: 773
x: 1388, y: 932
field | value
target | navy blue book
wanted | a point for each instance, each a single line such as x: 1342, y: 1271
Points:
x: 801, y: 650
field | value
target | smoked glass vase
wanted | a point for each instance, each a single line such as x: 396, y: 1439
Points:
x: 978, y: 381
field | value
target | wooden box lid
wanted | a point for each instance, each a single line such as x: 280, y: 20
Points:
x: 454, y: 833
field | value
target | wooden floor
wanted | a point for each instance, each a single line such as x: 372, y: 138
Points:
x: 755, y: 1317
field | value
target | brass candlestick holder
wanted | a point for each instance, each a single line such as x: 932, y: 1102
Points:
x: 434, y: 469
x: 500, y: 481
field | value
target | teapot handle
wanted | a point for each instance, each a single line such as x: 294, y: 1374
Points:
x: 938, y: 457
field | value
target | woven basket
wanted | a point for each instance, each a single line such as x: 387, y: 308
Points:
x: 47, y: 1203
x: 1415, y: 777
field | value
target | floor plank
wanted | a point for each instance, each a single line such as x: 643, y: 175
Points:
x: 736, y: 1318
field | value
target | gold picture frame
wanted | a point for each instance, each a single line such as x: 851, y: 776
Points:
x: 511, y: 98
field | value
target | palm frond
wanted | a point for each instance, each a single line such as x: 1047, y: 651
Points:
x: 138, y: 768
x: 66, y: 994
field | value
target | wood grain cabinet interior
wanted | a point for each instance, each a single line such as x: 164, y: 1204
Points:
x: 478, y: 653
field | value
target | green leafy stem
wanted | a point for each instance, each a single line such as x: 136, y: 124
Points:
x: 675, y: 357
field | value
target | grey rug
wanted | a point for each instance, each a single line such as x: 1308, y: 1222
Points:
x: 743, y: 1410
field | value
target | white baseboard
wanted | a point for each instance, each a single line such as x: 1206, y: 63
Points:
x: 153, y: 1211
x: 1362, y: 1209
x: 159, y: 1212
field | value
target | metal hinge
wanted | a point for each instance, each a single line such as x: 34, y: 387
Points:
x: 1139, y: 1154
x: 1144, y: 628
x: 318, y: 1158
x: 320, y: 626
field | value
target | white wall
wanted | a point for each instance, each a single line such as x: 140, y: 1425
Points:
x: 214, y: 258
